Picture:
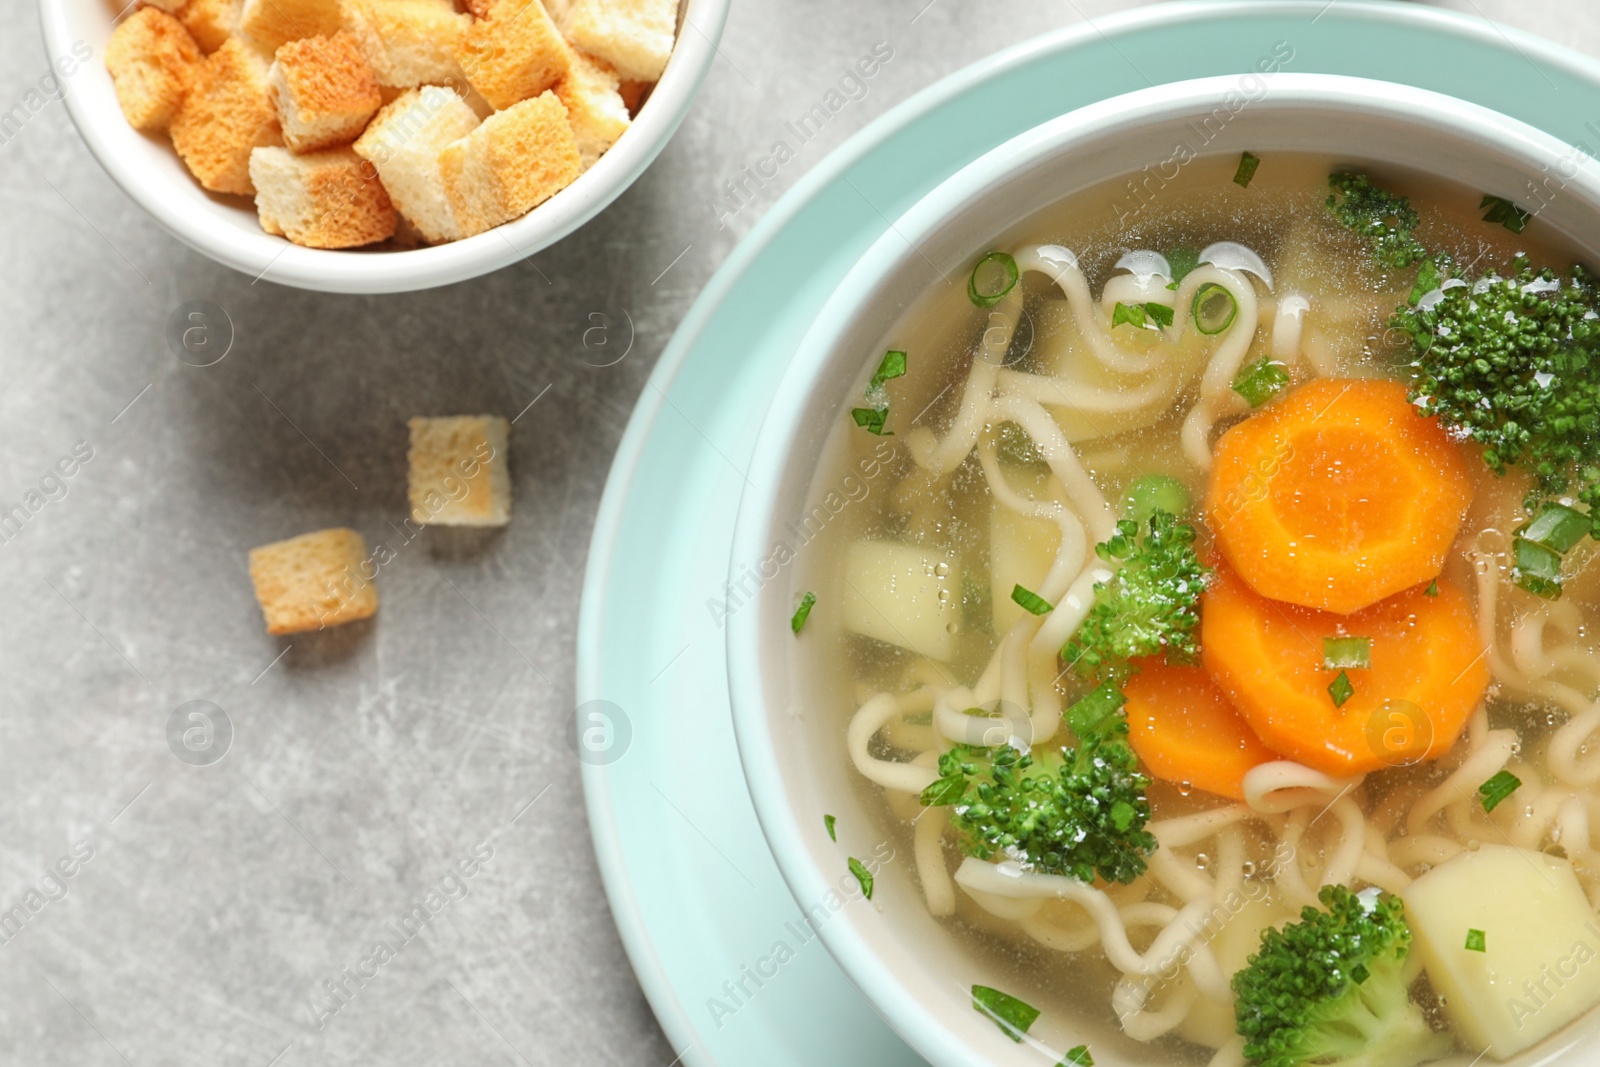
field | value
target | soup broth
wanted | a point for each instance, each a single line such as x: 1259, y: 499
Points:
x: 1095, y: 386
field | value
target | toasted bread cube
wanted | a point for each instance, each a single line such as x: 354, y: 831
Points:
x: 458, y: 474
x: 153, y: 62
x: 404, y: 141
x: 595, y: 107
x: 324, y: 90
x: 274, y: 23
x: 170, y: 7
x: 228, y: 113
x: 313, y: 581
x: 210, y: 22
x: 634, y: 36
x: 408, y: 42
x: 327, y: 199
x: 515, y: 160
x: 514, y: 54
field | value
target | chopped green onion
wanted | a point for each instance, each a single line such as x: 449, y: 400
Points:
x: 1247, y: 169
x: 1159, y: 314
x: 1077, y: 1056
x: 992, y: 278
x: 1152, y: 493
x: 872, y: 420
x: 1538, y: 568
x: 828, y: 821
x: 863, y: 876
x: 1475, y: 941
x: 1341, y: 690
x: 1100, y: 706
x: 1013, y: 1016
x: 1557, y: 527
x: 1433, y: 588
x: 1214, y: 309
x: 1132, y: 314
x: 893, y: 365
x: 1343, y: 653
x: 802, y: 612
x: 1497, y: 788
x: 1182, y: 261
x: 1261, y: 381
x: 1505, y: 213
x: 1031, y: 602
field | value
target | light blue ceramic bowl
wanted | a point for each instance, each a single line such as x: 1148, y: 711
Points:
x: 909, y: 966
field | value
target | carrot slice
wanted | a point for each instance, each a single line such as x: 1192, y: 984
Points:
x: 1187, y: 731
x: 1338, y: 495
x: 1428, y: 672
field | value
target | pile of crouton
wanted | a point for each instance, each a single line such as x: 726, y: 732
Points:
x: 352, y: 121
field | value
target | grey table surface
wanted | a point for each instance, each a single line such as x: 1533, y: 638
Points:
x: 211, y: 908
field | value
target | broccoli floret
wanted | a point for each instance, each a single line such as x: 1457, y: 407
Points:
x: 1377, y: 213
x: 1151, y: 603
x: 1511, y: 363
x: 1078, y: 812
x: 1333, y: 989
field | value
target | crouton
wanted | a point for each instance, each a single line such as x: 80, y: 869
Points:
x: 594, y: 107
x: 408, y: 42
x: 514, y: 54
x: 210, y: 22
x: 169, y: 7
x: 404, y: 141
x: 634, y: 36
x: 324, y: 90
x: 327, y: 199
x: 153, y: 62
x: 274, y: 23
x: 515, y: 160
x: 313, y: 581
x: 457, y: 471
x: 227, y: 113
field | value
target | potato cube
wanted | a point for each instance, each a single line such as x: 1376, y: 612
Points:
x: 458, y: 474
x: 1540, y: 964
x: 314, y: 581
x: 902, y: 595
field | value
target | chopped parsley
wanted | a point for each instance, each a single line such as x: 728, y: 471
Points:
x: 1077, y: 1056
x: 1342, y: 653
x: 1182, y: 261
x: 1505, y: 213
x: 1261, y: 381
x: 1031, y: 602
x: 1159, y: 313
x: 1475, y: 941
x: 893, y: 365
x: 1013, y: 1016
x: 1341, y: 690
x: 863, y: 876
x: 1497, y: 788
x: 1247, y: 169
x: 872, y: 420
x: 828, y: 821
x: 1433, y: 588
x: 803, y: 612
x: 1145, y: 316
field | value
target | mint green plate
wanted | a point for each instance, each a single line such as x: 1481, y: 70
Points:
x: 695, y: 892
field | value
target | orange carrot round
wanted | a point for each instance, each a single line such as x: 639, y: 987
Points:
x: 1185, y: 729
x: 1337, y: 496
x: 1427, y: 673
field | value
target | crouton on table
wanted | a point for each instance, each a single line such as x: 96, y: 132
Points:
x: 458, y: 474
x: 314, y: 580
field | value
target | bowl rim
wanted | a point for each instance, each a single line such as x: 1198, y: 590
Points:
x: 276, y: 259
x: 871, y: 972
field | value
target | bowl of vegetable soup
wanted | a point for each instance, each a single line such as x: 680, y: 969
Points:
x: 1173, y: 639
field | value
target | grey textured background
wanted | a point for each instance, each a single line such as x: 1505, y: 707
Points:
x: 368, y: 762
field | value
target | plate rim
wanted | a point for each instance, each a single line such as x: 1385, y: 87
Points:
x: 638, y: 941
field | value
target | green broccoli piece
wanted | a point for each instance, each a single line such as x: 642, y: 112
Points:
x: 1334, y: 989
x: 1151, y: 603
x: 1079, y: 812
x: 1511, y: 364
x: 1377, y: 213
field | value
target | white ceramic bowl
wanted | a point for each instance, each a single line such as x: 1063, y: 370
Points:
x: 225, y: 228
x: 904, y: 962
